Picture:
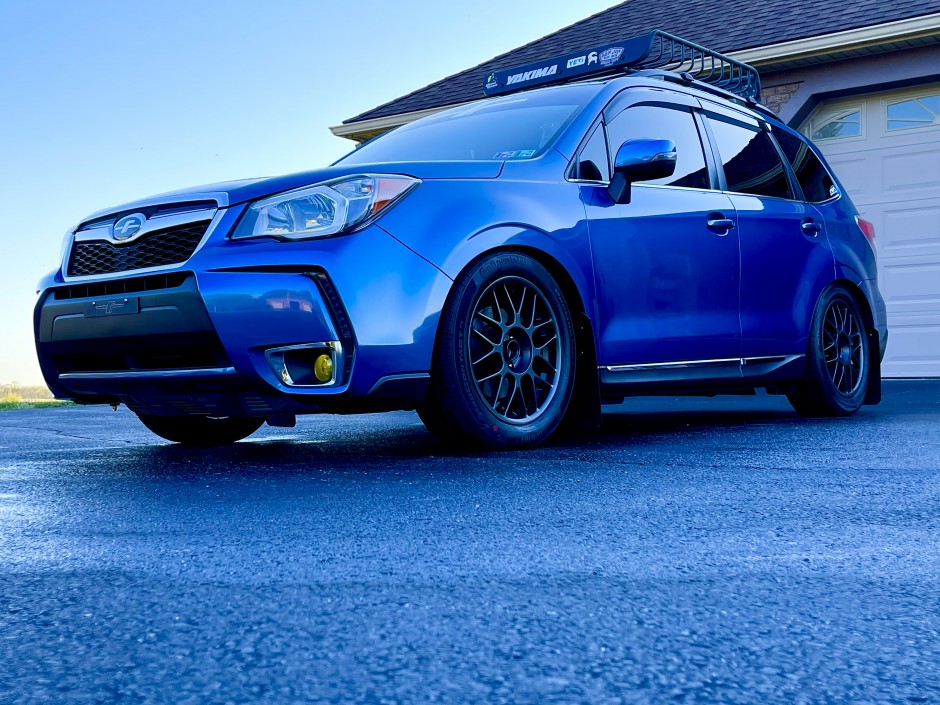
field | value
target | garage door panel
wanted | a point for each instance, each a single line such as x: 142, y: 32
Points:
x: 913, y: 350
x: 911, y: 172
x: 906, y: 285
x: 909, y: 232
x: 851, y: 171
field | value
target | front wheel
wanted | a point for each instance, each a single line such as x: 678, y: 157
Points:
x: 504, y: 364
x: 201, y: 430
x: 838, y: 364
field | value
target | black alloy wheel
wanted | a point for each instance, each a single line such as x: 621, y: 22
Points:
x: 838, y: 359
x: 504, y: 365
x: 843, y: 347
x: 514, y: 350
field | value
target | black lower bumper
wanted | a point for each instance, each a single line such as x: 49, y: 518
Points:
x: 86, y: 334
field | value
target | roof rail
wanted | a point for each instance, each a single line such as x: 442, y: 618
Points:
x: 655, y: 50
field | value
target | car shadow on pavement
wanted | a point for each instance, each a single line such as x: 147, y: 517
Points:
x: 405, y: 445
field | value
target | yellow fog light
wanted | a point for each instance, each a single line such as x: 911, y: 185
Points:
x: 323, y: 368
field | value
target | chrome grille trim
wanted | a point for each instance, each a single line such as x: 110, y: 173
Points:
x: 159, y: 222
x: 103, y: 233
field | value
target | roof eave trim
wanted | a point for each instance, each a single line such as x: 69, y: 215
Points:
x: 350, y: 129
x: 899, y: 30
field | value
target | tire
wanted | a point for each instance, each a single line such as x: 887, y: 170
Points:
x: 838, y: 360
x: 503, y: 372
x: 201, y: 430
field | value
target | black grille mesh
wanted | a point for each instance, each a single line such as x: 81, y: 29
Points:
x: 157, y: 249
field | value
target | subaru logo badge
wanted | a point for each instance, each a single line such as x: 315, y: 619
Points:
x: 128, y: 226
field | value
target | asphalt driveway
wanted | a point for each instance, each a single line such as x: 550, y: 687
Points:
x: 694, y: 551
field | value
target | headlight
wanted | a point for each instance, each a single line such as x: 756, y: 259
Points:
x: 325, y: 209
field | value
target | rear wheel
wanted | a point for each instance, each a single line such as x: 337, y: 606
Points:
x: 201, y: 430
x: 837, y: 361
x: 503, y: 371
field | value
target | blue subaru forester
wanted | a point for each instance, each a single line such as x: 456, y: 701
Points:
x: 637, y: 224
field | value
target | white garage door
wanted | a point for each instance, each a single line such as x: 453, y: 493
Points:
x: 885, y: 148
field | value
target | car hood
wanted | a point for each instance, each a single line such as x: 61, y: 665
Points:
x: 230, y: 193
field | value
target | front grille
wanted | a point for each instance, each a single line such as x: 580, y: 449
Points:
x: 158, y: 249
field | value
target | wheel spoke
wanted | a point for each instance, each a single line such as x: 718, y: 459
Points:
x: 486, y: 356
x: 518, y: 312
x: 489, y: 320
x: 520, y: 387
x: 547, y: 342
x: 516, y: 349
x: 480, y: 333
x: 497, y: 309
x: 512, y: 396
x: 488, y: 377
x: 499, y: 388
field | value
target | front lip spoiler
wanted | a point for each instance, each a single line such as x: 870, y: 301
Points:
x: 146, y: 375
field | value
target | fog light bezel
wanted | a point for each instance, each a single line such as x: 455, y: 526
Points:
x: 279, y: 360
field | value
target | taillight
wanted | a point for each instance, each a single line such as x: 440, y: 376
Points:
x: 868, y: 230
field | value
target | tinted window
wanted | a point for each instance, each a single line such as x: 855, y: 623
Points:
x: 815, y: 181
x: 592, y: 162
x: 750, y: 160
x: 514, y: 127
x: 654, y: 122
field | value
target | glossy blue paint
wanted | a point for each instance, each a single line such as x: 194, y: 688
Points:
x: 667, y: 286
x: 783, y: 271
x: 657, y: 283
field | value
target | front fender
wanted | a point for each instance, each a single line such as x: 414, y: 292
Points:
x: 450, y: 224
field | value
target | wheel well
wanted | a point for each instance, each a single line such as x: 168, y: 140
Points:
x: 873, y: 395
x: 860, y: 299
x: 585, y: 410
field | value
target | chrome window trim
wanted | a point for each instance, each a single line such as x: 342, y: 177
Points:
x: 161, y: 223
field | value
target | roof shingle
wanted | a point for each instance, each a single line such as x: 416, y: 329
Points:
x: 726, y: 26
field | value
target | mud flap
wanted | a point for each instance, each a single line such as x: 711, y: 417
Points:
x: 873, y: 395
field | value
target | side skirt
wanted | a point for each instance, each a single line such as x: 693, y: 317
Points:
x: 705, y: 377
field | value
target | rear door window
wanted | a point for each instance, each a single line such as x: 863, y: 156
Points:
x: 658, y: 122
x: 815, y: 181
x: 751, y: 162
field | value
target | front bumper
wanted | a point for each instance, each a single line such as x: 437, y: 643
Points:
x: 197, y: 340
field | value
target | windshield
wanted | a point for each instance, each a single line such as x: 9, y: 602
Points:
x: 515, y: 127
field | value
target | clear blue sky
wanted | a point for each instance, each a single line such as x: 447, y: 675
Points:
x: 105, y: 102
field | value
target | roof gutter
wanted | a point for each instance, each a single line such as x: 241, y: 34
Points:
x: 873, y: 35
x: 367, y: 129
x: 765, y: 56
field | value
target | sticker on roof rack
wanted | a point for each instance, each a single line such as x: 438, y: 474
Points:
x: 607, y: 56
x: 656, y: 51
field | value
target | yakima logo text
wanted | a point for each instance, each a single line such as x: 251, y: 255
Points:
x: 532, y: 75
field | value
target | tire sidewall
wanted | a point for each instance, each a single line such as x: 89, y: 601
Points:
x: 816, y: 357
x: 464, y: 400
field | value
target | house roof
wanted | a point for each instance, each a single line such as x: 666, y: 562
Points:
x: 729, y: 26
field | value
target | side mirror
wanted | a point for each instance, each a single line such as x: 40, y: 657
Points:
x: 641, y: 160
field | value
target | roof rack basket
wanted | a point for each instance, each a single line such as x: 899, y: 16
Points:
x: 655, y: 50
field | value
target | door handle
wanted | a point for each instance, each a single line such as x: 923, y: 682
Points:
x: 719, y: 224
x: 811, y: 227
